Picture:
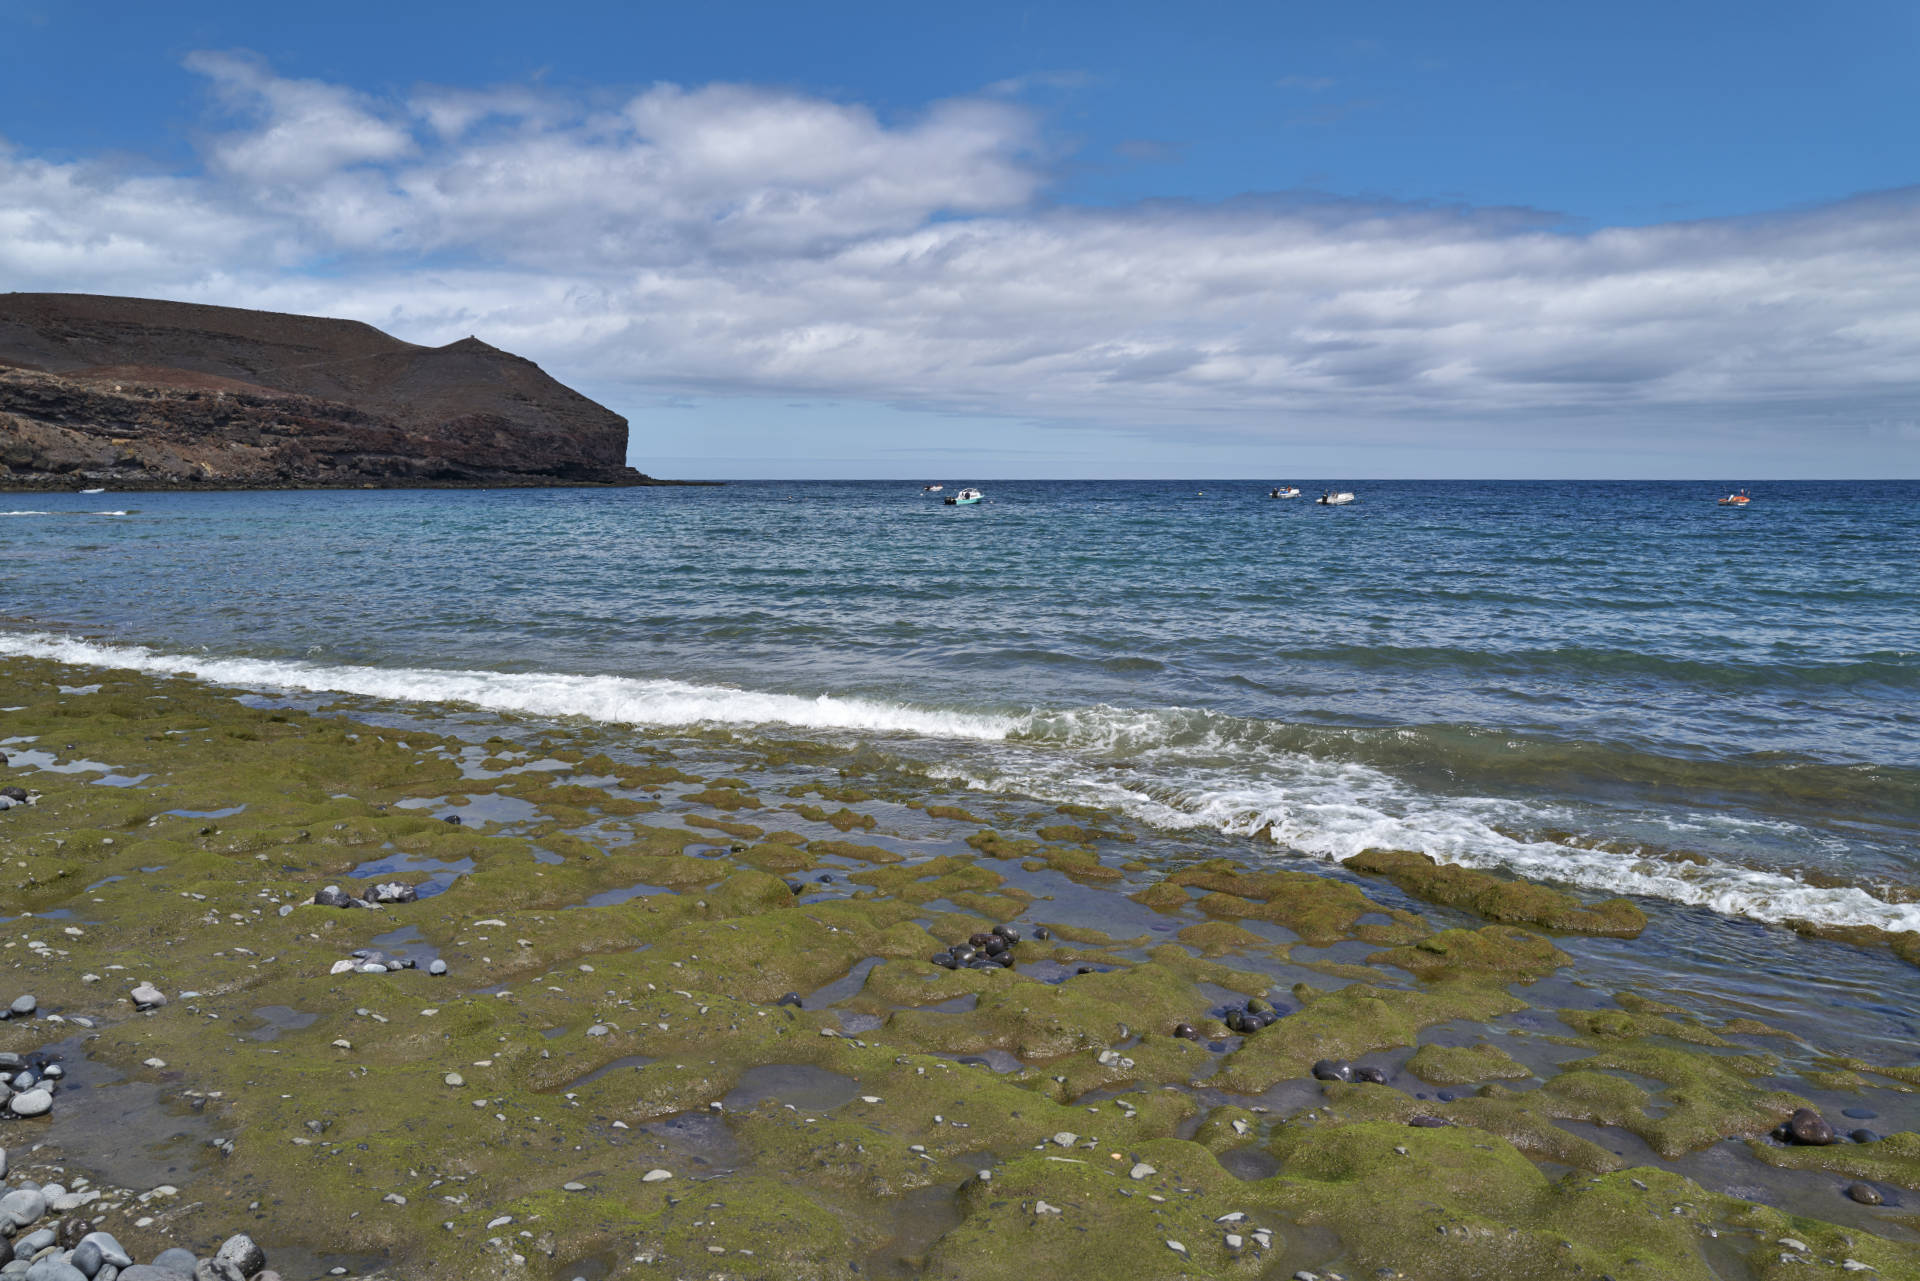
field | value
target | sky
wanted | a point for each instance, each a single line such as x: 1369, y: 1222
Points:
x: 1277, y: 240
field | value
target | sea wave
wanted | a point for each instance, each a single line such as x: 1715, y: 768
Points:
x: 614, y: 699
x: 1178, y: 769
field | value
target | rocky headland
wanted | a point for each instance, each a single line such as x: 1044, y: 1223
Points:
x: 133, y: 393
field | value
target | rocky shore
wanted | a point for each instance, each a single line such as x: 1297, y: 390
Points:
x: 428, y: 994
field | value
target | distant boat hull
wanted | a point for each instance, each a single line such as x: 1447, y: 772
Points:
x: 1334, y: 500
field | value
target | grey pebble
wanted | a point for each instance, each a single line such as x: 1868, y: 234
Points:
x: 36, y: 1102
x: 23, y: 1006
x: 54, y: 1268
x: 23, y: 1206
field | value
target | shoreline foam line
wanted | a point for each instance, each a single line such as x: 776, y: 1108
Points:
x: 1339, y: 820
x: 617, y: 699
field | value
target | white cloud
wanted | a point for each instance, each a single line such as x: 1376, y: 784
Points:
x: 734, y: 239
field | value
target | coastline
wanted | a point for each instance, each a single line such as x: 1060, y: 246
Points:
x: 648, y: 891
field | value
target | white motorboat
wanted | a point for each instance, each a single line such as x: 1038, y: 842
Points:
x: 1332, y: 499
x: 931, y: 489
x: 93, y: 491
x: 1284, y: 491
x: 965, y: 498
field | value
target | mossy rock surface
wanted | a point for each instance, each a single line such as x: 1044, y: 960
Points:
x: 1497, y: 898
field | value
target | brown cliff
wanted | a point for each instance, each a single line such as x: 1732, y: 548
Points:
x: 135, y: 393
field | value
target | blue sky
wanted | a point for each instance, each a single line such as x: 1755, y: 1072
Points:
x: 1070, y: 240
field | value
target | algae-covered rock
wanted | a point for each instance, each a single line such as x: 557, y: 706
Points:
x: 1499, y: 899
x: 1461, y: 1064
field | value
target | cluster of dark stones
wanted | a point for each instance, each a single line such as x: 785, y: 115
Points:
x: 24, y: 1006
x: 1341, y: 1070
x: 1807, y: 1128
x: 385, y: 892
x: 28, y: 1083
x: 1243, y: 1020
x: 11, y: 796
x: 65, y: 1249
x: 992, y: 950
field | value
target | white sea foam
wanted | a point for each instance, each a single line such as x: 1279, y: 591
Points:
x: 615, y: 699
x: 1174, y: 769
x: 88, y: 513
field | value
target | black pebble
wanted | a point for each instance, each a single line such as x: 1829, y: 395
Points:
x: 979, y: 940
x: 1333, y: 1070
x: 1859, y: 1114
x: 1808, y: 1128
x: 962, y: 953
x: 1004, y: 960
x: 1370, y: 1074
x: 1042, y: 933
x: 791, y: 998
x: 1186, y: 1031
x: 794, y: 886
x: 1863, y: 1136
x: 14, y: 793
x: 943, y: 960
x: 994, y: 945
x: 453, y: 819
x: 1007, y: 932
x: 825, y: 878
x: 1864, y: 1193
x: 1088, y: 969
x: 1446, y: 1096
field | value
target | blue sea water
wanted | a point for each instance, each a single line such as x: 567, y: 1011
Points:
x: 1621, y: 686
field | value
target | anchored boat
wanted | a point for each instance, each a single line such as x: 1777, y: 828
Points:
x: 1736, y: 499
x: 1332, y: 499
x: 965, y: 498
x: 1284, y: 491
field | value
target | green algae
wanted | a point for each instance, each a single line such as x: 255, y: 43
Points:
x: 1498, y: 899
x: 1462, y: 1064
x: 1894, y: 1159
x: 1320, y: 910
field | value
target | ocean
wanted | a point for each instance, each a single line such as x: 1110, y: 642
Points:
x: 1620, y: 687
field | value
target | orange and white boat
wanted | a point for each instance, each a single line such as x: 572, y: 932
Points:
x: 1736, y: 499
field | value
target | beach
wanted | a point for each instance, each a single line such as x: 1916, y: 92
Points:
x: 1603, y: 884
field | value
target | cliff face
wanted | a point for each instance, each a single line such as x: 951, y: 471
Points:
x: 136, y: 393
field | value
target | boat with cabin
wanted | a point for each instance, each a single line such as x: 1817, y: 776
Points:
x: 965, y: 498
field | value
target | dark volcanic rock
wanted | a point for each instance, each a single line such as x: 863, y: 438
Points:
x: 132, y: 393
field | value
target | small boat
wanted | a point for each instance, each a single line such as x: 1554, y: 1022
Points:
x: 93, y: 491
x: 931, y: 489
x: 1736, y: 499
x: 1331, y: 499
x: 1284, y: 491
x: 965, y: 498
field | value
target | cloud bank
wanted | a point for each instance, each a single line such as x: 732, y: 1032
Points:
x: 748, y: 241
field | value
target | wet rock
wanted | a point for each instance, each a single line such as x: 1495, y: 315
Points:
x: 1007, y: 932
x: 23, y: 1006
x: 451, y: 818
x: 33, y: 1243
x: 1808, y: 1128
x: 1864, y: 1135
x: 1186, y: 1031
x: 1371, y: 1074
x: 333, y: 896
x: 241, y: 1251
x: 944, y: 960
x: 34, y: 1102
x: 1042, y: 933
x: 1864, y: 1193
x: 1860, y: 1114
x: 1333, y: 1070
x: 54, y: 1268
x: 791, y: 998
